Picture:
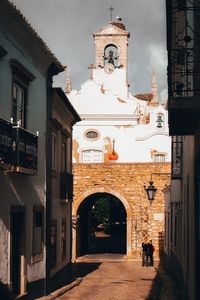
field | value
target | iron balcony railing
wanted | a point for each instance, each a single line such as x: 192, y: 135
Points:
x: 25, y: 150
x: 5, y: 144
x: 18, y: 149
x: 183, y: 45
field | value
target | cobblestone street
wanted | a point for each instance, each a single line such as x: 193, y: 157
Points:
x: 114, y: 280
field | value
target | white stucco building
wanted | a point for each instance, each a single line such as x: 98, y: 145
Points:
x: 111, y: 115
x: 120, y: 144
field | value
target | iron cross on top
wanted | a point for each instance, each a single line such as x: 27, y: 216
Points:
x: 111, y: 10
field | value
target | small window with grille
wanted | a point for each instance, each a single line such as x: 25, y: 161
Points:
x: 159, y: 158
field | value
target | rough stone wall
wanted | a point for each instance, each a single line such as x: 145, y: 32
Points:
x: 3, y: 253
x: 127, y: 181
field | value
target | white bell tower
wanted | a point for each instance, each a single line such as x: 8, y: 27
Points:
x: 111, y: 57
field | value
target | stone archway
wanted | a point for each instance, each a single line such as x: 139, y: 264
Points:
x: 75, y: 217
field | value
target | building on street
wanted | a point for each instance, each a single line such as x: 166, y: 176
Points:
x: 182, y: 209
x: 35, y: 160
x: 121, y: 143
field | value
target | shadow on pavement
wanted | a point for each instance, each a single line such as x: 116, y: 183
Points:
x: 81, y: 269
x: 156, y: 289
x: 74, y: 271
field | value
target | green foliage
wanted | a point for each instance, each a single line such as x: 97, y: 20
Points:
x: 101, y: 211
x: 108, y: 211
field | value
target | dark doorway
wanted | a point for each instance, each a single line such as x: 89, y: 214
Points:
x: 102, y: 225
x: 17, y: 249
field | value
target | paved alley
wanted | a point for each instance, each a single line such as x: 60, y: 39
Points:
x: 113, y: 279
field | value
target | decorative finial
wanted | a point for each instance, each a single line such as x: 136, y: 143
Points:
x: 154, y: 89
x: 91, y: 67
x: 111, y: 10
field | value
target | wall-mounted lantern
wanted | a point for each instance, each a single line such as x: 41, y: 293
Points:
x: 151, y: 191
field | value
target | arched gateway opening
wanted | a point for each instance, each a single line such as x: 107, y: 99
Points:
x: 101, y: 225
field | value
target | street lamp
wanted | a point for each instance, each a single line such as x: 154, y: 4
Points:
x: 151, y: 191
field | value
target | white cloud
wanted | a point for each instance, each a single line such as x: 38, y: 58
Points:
x: 158, y: 56
x: 163, y: 96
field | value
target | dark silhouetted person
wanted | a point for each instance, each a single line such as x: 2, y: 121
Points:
x: 144, y: 254
x: 150, y: 253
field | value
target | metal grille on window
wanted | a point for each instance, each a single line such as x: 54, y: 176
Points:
x: 183, y: 47
x: 159, y: 158
x: 177, y: 149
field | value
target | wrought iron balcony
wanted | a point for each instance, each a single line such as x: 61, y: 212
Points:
x: 18, y: 149
x: 25, y: 151
x: 183, y: 45
x: 5, y: 144
x: 66, y: 186
x: 177, y: 157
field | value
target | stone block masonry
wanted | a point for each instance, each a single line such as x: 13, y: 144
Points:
x: 126, y: 182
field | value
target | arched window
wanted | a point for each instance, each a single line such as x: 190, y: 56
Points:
x: 111, y: 55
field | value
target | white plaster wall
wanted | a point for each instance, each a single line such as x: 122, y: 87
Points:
x: 105, y: 105
x: 114, y: 82
x: 133, y: 143
x: 20, y: 189
x: 156, y: 141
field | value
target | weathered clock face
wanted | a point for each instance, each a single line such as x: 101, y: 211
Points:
x: 109, y: 68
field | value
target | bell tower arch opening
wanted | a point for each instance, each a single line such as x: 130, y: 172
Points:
x: 111, y: 55
x: 101, y: 225
x: 115, y: 37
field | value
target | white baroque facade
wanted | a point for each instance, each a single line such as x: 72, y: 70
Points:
x: 110, y: 115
